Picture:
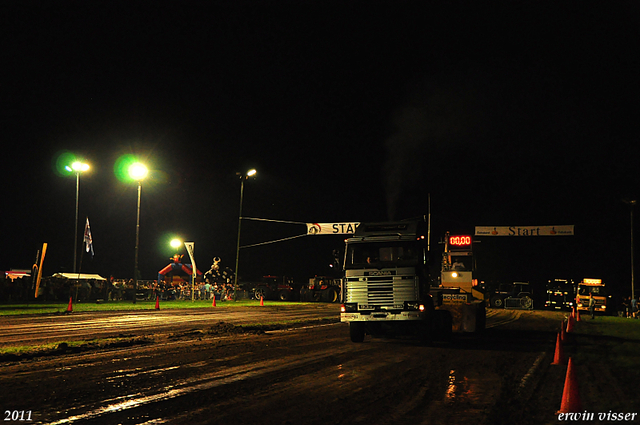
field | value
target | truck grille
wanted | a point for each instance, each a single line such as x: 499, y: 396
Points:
x: 382, y: 290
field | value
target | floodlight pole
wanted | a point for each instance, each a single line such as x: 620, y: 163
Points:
x: 235, y: 282
x: 243, y: 177
x: 75, y: 235
x: 135, y: 267
x: 631, y: 204
x: 633, y: 294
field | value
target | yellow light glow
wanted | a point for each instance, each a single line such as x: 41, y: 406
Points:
x: 587, y: 280
x: 251, y: 172
x: 138, y: 171
x: 79, y: 166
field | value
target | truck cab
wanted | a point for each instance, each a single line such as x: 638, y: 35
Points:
x: 597, y: 289
x: 386, y: 285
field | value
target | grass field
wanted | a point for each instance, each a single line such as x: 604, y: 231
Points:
x: 609, y: 346
x: 54, y: 308
x: 611, y: 340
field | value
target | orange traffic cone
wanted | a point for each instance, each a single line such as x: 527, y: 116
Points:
x: 213, y: 304
x: 563, y: 335
x: 570, y: 325
x: 577, y: 315
x: 570, y: 397
x: 261, y: 300
x: 157, y: 303
x: 70, y: 306
x: 558, y: 358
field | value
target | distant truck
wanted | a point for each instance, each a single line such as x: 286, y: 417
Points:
x: 561, y: 294
x: 597, y: 289
x: 321, y: 289
x: 386, y: 284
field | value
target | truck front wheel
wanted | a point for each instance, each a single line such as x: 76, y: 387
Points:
x: 356, y: 331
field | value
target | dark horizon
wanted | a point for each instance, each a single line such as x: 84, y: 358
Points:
x: 515, y: 115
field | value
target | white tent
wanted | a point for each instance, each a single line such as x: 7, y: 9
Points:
x: 80, y: 276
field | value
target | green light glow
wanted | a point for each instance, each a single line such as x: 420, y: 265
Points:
x: 123, y: 166
x: 63, y: 163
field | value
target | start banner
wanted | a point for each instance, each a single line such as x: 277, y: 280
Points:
x: 331, y: 228
x: 564, y: 230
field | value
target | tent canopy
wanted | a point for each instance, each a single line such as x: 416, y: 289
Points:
x: 79, y: 276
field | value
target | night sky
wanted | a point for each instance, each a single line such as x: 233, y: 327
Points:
x: 519, y: 113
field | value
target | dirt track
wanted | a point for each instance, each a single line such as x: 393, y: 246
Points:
x: 209, y: 373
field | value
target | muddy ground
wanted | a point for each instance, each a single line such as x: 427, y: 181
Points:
x: 308, y: 373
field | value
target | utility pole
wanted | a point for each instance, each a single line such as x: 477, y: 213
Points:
x: 631, y: 204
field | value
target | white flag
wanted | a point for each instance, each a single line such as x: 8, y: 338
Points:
x: 88, y: 240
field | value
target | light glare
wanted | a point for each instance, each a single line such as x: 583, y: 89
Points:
x: 79, y: 166
x: 138, y: 171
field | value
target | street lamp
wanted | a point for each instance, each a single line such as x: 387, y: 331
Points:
x: 189, y: 246
x: 137, y: 171
x: 77, y: 167
x: 631, y: 204
x: 249, y: 173
x: 175, y: 243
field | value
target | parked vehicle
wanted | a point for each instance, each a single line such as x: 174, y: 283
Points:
x: 511, y: 295
x: 561, y: 294
x: 275, y: 288
x: 321, y: 289
x: 597, y: 289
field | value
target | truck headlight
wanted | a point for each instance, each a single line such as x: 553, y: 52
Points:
x: 349, y: 307
x: 413, y: 305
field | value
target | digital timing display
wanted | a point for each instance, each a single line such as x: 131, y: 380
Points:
x: 460, y: 241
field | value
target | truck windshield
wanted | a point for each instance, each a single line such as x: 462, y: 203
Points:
x: 598, y: 291
x: 382, y: 254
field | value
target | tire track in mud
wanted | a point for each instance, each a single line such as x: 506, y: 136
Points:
x: 510, y: 317
x: 185, y: 387
x: 468, y: 389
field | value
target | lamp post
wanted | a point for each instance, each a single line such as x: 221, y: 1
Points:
x: 189, y: 246
x: 631, y: 204
x: 138, y: 172
x: 244, y: 177
x: 77, y: 167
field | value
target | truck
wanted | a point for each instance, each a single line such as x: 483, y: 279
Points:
x: 386, y: 289
x: 321, y: 289
x: 561, y: 294
x: 461, y: 295
x: 597, y: 289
